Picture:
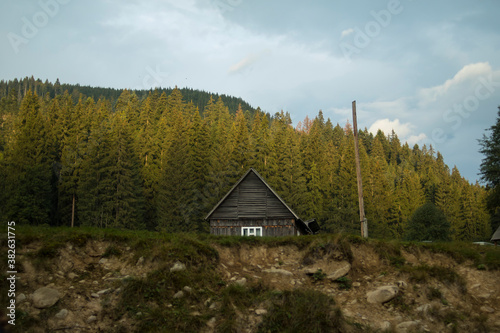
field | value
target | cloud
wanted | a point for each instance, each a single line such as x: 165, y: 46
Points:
x: 346, y: 32
x: 403, y: 130
x: 413, y: 139
x: 466, y: 75
x: 387, y: 126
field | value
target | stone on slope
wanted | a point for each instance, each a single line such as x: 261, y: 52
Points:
x: 45, y: 297
x: 382, y: 294
x: 178, y: 267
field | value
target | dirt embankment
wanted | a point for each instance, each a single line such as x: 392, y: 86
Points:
x: 424, y: 291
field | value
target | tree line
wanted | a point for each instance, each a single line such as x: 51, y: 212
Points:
x: 158, y: 162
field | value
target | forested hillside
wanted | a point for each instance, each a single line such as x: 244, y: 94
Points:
x: 18, y: 88
x: 158, y: 161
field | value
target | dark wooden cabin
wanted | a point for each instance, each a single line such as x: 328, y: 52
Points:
x: 252, y: 208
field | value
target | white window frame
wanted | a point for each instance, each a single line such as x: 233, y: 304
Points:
x: 251, y: 231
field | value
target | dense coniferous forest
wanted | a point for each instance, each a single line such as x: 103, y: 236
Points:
x: 161, y: 159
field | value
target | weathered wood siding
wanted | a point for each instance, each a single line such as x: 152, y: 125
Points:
x: 252, y: 199
x: 271, y: 227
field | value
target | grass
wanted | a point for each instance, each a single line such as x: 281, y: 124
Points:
x: 344, y: 283
x: 300, y: 311
x: 424, y: 273
x: 319, y: 275
x: 288, y: 311
x: 390, y: 251
x: 332, y: 247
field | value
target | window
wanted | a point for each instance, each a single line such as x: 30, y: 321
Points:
x: 251, y: 231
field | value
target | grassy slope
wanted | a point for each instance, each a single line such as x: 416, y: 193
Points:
x: 287, y: 310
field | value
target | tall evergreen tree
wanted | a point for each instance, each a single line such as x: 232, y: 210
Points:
x: 490, y: 169
x: 30, y: 186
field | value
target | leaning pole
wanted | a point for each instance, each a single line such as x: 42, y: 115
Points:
x: 362, y: 218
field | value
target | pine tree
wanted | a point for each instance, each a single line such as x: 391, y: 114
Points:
x: 240, y: 144
x: 29, y: 179
x: 428, y: 223
x: 109, y: 188
x: 75, y: 130
x: 173, y: 186
x: 490, y: 169
x: 259, y: 138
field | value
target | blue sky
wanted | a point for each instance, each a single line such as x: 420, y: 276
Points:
x: 429, y: 70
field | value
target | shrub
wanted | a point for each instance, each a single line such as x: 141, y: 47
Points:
x: 292, y: 311
x: 428, y: 223
x: 344, y: 282
x: 319, y: 275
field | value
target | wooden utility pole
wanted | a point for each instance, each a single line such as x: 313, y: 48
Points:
x: 362, y: 218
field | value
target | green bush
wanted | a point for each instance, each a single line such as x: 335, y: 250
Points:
x: 293, y: 311
x: 428, y: 223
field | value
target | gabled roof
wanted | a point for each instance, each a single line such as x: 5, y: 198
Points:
x: 251, y: 170
x: 496, y: 235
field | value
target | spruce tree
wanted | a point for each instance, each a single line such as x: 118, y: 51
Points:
x: 490, y: 169
x: 428, y: 223
x: 29, y: 179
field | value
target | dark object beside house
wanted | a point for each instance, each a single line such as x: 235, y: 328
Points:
x: 252, y: 208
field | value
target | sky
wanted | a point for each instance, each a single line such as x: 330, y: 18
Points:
x: 428, y: 70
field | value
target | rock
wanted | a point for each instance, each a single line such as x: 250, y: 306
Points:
x: 91, y: 319
x: 178, y: 267
x: 484, y: 295
x: 95, y: 295
x: 45, y: 297
x: 72, y: 275
x: 195, y: 314
x: 20, y: 298
x: 487, y: 309
x: 179, y: 294
x: 356, y: 284
x: 187, y: 289
x: 340, y: 272
x: 211, y: 323
x: 241, y: 282
x: 261, y: 312
x: 401, y: 284
x: 385, y: 326
x: 382, y: 294
x: 103, y: 261
x: 62, y: 314
x: 407, y: 326
x: 424, y: 308
x: 104, y: 291
x: 278, y: 271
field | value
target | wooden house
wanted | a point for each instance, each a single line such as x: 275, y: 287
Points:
x: 253, y: 208
x: 496, y: 236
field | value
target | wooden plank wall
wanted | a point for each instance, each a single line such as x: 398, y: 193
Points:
x: 272, y: 227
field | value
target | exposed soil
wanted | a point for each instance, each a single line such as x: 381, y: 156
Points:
x: 89, y: 283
